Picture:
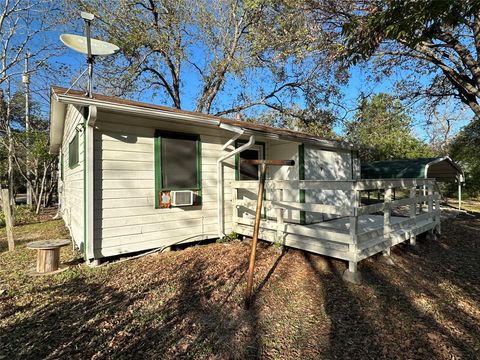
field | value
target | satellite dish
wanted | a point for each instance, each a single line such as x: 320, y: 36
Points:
x: 79, y: 44
x: 90, y: 47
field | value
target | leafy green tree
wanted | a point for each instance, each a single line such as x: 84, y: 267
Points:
x: 22, y: 145
x: 381, y: 130
x: 438, y: 41
x: 25, y: 28
x: 465, y: 149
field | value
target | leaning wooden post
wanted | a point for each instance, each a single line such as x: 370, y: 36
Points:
x: 258, y: 213
x: 7, y: 210
x: 256, y: 228
x: 413, y: 212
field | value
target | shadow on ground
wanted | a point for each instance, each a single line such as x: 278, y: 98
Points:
x: 189, y: 304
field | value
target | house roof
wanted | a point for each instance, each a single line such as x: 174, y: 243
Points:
x: 441, y: 168
x: 60, y: 97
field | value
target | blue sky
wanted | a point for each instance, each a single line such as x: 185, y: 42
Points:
x: 357, y: 84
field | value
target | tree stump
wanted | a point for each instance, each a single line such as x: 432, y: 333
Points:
x: 48, y: 256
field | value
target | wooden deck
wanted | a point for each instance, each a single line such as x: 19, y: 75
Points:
x: 357, y: 232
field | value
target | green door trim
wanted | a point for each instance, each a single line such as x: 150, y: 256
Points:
x: 239, y: 143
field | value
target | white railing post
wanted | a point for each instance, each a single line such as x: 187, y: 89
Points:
x: 352, y: 274
x: 413, y: 205
x: 279, y: 214
x: 387, y: 212
x: 431, y: 213
x: 354, y: 217
x: 413, y: 212
x: 437, y: 213
x: 430, y: 198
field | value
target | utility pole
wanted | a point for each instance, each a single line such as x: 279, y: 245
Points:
x: 26, y: 82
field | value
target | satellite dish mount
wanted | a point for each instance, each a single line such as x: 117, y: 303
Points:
x: 90, y: 59
x: 90, y: 47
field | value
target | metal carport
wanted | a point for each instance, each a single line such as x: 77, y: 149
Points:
x: 442, y: 169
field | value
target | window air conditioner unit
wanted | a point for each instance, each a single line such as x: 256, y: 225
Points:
x: 182, y: 198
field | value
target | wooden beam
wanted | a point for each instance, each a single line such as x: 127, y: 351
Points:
x: 269, y: 162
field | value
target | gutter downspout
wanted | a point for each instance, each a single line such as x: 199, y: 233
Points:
x: 88, y: 180
x: 220, y: 184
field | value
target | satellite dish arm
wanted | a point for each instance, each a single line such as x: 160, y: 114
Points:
x: 88, y: 22
x: 90, y: 60
x: 89, y: 41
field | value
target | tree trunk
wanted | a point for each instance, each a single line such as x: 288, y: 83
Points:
x: 42, y: 186
x: 8, y: 219
x: 10, y: 179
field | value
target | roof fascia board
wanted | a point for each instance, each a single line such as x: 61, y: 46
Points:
x: 57, y: 115
x: 447, y: 158
x: 317, y: 142
x: 134, y: 109
x: 191, y: 118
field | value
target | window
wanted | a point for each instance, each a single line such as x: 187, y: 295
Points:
x: 177, y: 163
x: 73, y: 151
x: 248, y: 171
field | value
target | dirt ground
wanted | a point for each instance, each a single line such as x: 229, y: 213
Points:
x: 189, y: 303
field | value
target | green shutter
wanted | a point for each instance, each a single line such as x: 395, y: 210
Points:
x: 73, y: 152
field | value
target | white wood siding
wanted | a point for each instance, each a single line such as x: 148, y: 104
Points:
x: 71, y: 196
x: 285, y: 151
x: 125, y: 216
x: 323, y: 164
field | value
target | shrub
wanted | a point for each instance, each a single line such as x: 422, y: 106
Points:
x: 23, y: 215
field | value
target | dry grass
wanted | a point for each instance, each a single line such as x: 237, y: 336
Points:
x: 470, y: 205
x: 188, y: 304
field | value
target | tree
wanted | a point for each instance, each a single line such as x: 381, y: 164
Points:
x: 310, y: 121
x: 381, y: 130
x: 465, y: 149
x: 229, y: 56
x: 436, y: 40
x: 442, y: 125
x: 24, y: 26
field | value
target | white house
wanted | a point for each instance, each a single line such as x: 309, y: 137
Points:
x: 137, y: 176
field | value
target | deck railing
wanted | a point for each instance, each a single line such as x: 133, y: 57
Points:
x: 422, y: 205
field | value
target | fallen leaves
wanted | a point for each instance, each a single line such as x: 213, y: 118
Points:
x: 189, y: 304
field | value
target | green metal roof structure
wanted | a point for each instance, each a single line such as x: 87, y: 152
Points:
x: 442, y: 169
